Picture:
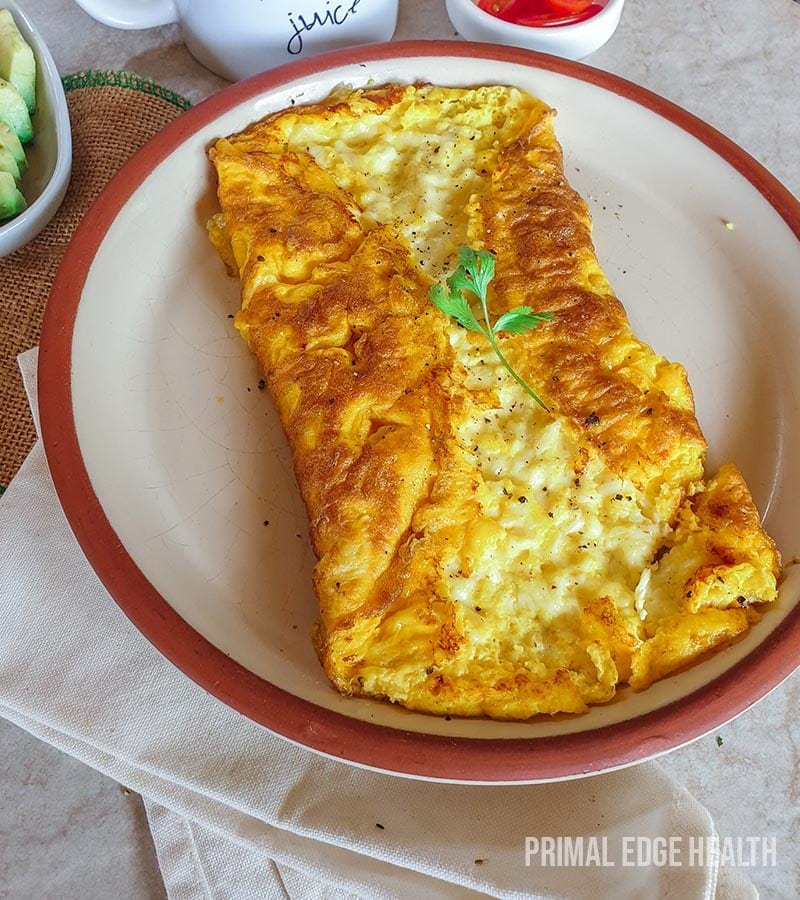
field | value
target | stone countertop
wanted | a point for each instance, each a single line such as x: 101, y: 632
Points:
x: 67, y: 831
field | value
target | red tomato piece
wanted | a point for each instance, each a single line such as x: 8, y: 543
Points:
x: 540, y: 13
x: 571, y: 7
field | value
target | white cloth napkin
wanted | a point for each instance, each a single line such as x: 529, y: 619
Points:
x: 237, y: 812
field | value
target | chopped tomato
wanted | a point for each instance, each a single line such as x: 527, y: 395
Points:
x: 541, y: 13
x: 571, y: 7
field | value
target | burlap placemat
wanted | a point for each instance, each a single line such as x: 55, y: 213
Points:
x: 112, y: 115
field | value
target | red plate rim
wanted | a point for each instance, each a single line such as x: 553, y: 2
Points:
x: 362, y: 743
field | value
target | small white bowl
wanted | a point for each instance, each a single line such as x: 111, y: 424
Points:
x: 570, y: 41
x: 45, y: 181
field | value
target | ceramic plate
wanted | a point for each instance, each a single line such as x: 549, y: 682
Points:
x: 169, y: 461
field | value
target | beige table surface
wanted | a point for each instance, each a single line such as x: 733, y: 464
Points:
x: 68, y: 832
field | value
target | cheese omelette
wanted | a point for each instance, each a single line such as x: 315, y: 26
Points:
x: 477, y: 555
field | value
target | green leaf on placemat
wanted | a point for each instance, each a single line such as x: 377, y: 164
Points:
x: 2, y: 489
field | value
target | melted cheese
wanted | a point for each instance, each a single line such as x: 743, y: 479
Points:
x: 571, y: 528
x: 420, y: 174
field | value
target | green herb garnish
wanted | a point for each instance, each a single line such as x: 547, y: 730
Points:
x: 473, y: 275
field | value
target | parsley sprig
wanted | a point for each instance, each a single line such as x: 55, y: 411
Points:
x: 474, y: 273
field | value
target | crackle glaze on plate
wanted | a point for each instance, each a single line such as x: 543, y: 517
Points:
x: 169, y: 460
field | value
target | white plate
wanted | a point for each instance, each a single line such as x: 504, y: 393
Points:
x: 186, y: 459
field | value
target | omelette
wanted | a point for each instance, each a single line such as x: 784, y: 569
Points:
x: 478, y: 554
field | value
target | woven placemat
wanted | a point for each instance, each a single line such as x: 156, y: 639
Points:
x: 112, y: 115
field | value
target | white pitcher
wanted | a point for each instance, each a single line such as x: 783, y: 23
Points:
x: 238, y: 38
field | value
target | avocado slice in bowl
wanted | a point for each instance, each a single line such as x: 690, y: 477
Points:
x: 9, y: 164
x: 10, y: 141
x: 14, y: 111
x: 11, y: 200
x: 45, y: 178
x: 17, y: 62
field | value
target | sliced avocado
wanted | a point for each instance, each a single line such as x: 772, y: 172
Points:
x: 10, y: 141
x: 8, y: 163
x: 11, y: 200
x: 17, y: 63
x: 14, y: 111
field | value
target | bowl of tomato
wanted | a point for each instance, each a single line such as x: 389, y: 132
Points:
x: 569, y: 28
